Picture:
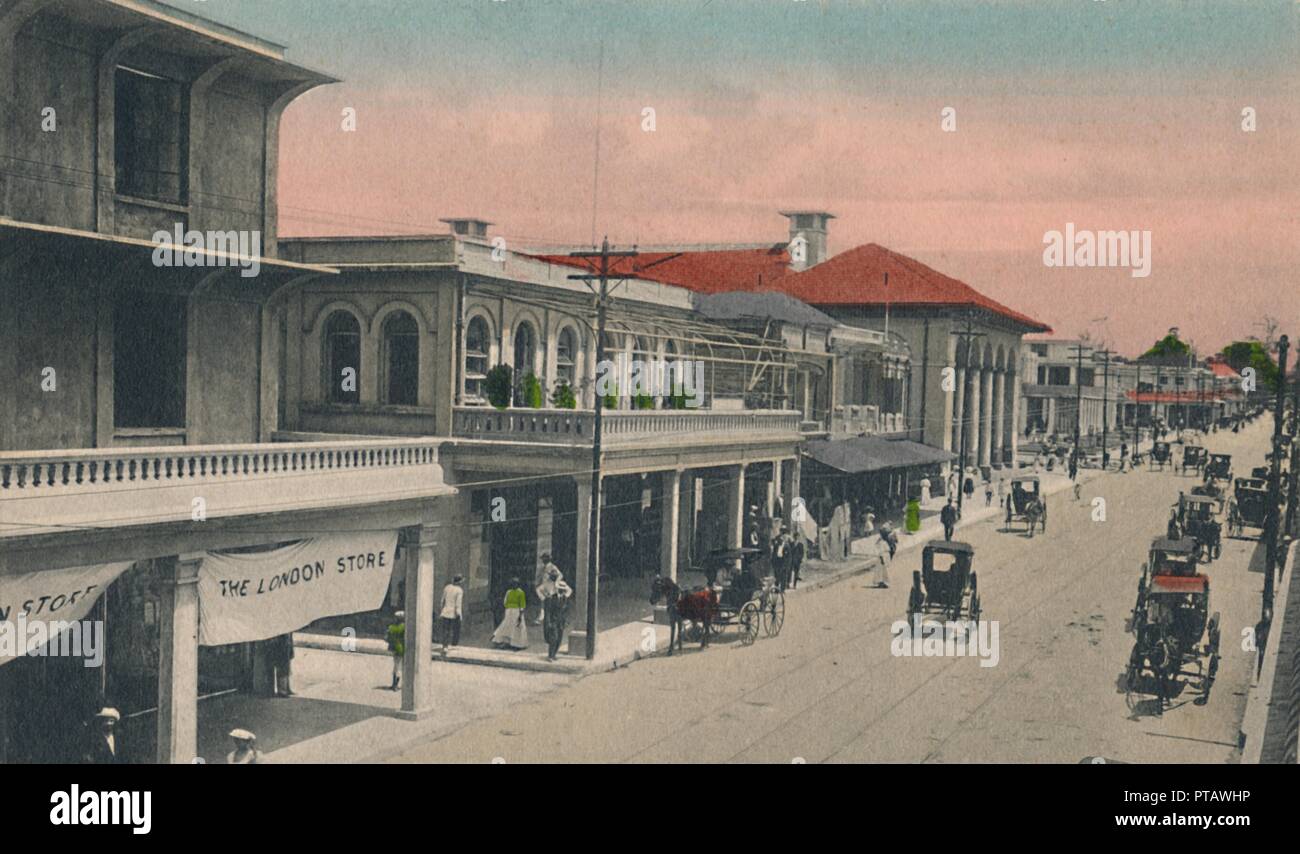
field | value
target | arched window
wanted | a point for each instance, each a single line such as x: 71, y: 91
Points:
x: 525, y: 361
x: 566, y: 355
x: 478, y: 349
x: 401, y: 359
x: 342, y: 358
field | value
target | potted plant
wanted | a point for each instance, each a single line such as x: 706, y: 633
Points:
x: 530, y: 391
x: 562, y: 397
x: 498, y: 385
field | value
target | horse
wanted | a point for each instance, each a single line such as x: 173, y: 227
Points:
x: 699, y: 606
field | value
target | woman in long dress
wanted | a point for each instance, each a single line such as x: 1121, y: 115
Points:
x: 513, y: 631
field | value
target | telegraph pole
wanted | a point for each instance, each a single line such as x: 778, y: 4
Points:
x: 1295, y: 460
x: 967, y: 334
x: 1105, y: 408
x: 593, y: 529
x: 1078, y: 399
x: 1274, y: 475
x: 1137, y: 408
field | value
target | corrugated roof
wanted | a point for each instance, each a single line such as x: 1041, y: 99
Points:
x: 873, y: 453
x: 761, y: 305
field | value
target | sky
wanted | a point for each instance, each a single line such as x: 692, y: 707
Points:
x: 1108, y: 114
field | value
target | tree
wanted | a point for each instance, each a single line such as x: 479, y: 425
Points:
x: 1170, y: 345
x: 1253, y: 354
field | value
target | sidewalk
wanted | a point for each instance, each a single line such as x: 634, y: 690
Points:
x: 1270, y: 727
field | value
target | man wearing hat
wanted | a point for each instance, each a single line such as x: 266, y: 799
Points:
x: 245, y: 752
x: 396, y: 636
x: 103, y: 749
x: 543, y: 573
x: 453, y: 601
x: 554, y: 594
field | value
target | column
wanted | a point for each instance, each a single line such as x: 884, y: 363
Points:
x: 670, y: 519
x: 735, y: 507
x: 1051, y: 416
x: 417, y: 663
x: 957, y: 427
x: 581, y: 559
x: 789, y: 489
x: 178, y: 662
x: 1014, y: 391
x: 986, y: 416
x: 999, y: 417
x: 973, y: 422
x: 687, y: 513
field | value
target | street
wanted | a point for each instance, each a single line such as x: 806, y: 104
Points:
x: 829, y: 689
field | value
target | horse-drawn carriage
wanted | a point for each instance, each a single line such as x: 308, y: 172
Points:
x: 1025, y: 503
x: 946, y: 583
x: 1161, y: 455
x: 1194, y: 458
x: 747, y: 602
x: 1249, y: 506
x: 1176, y: 643
x: 1197, y: 514
x: 1219, y: 467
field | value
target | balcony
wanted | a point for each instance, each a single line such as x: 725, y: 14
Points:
x: 50, y: 491
x: 623, y: 427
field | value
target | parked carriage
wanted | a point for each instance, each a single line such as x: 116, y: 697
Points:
x: 1249, y: 507
x: 1197, y: 514
x: 1194, y: 458
x: 1025, y: 503
x: 1176, y: 644
x: 1219, y: 467
x: 946, y: 584
x: 1161, y: 455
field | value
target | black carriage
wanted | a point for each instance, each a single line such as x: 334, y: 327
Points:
x: 1025, y: 504
x: 1198, y: 516
x: 946, y: 584
x: 1219, y: 467
x: 747, y: 601
x: 1249, y: 507
x: 1194, y: 458
x: 1161, y: 455
x: 1176, y: 644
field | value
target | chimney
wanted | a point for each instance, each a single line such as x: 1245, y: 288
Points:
x: 468, y: 227
x: 807, y: 237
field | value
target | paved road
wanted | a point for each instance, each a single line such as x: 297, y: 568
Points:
x: 829, y: 689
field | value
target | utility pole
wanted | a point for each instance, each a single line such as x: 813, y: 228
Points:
x: 1137, y: 408
x: 593, y: 529
x: 1079, y: 350
x: 1295, y: 460
x: 1274, y: 476
x: 967, y: 334
x: 1105, y: 407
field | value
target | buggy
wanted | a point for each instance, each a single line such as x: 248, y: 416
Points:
x: 1249, y: 506
x: 1219, y: 467
x: 1160, y: 455
x: 1197, y: 516
x: 1194, y: 458
x: 944, y: 586
x: 1025, y: 503
x: 1176, y: 645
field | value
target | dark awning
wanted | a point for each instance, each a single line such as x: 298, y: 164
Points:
x: 873, y: 453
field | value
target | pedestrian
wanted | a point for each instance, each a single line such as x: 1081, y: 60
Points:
x: 953, y: 484
x: 1123, y: 455
x: 988, y: 493
x: 556, y: 603
x: 925, y: 491
x: 282, y: 663
x: 543, y: 573
x: 451, y: 613
x: 796, y: 560
x: 969, y: 487
x: 1078, y: 491
x: 1002, y: 490
x: 1174, y: 530
x: 396, y: 637
x: 245, y: 752
x: 948, y: 516
x: 513, y: 631
x: 781, y: 560
x: 1074, y: 465
x: 104, y: 748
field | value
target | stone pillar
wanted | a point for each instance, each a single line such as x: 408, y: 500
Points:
x: 578, y: 609
x: 735, y: 507
x: 1014, y: 391
x: 687, y: 514
x: 1051, y: 416
x: 973, y: 421
x: 999, y: 417
x: 986, y: 417
x: 417, y: 663
x: 789, y: 489
x: 957, y: 427
x: 672, y: 489
x: 178, y: 662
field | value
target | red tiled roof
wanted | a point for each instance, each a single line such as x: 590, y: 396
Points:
x: 1223, y: 369
x: 704, y: 271
x: 857, y: 276
x: 1205, y: 396
x: 854, y: 277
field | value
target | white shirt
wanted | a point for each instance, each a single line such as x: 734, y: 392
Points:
x: 452, y: 600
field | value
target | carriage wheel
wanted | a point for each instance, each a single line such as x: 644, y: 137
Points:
x: 749, y: 620
x: 774, y: 614
x: 974, y: 607
x: 718, y: 625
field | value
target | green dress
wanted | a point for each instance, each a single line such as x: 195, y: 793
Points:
x: 397, y: 639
